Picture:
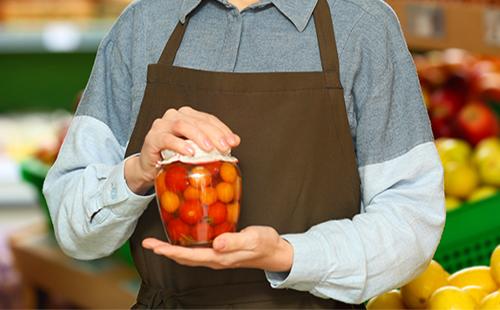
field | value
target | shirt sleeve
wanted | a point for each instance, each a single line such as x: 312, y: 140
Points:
x: 402, y: 213
x: 93, y: 210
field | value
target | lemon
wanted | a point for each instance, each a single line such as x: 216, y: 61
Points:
x: 389, y: 300
x: 478, y: 276
x: 460, y: 179
x: 482, y: 193
x: 495, y: 264
x: 489, y: 170
x: 416, y: 294
x: 487, y: 148
x: 477, y: 292
x: 451, y: 298
x: 452, y: 203
x: 453, y: 150
x: 491, y: 302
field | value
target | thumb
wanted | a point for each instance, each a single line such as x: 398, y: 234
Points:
x: 229, y: 242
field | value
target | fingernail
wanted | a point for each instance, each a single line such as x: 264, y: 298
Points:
x: 220, y: 245
x: 223, y: 143
x: 190, y: 150
x: 231, y: 140
x: 207, y: 143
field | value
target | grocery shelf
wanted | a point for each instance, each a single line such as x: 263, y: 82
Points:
x: 52, y: 36
x: 431, y: 24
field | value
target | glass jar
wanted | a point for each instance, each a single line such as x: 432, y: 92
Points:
x: 198, y: 196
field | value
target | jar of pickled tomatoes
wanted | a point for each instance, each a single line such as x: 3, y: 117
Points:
x: 198, y: 196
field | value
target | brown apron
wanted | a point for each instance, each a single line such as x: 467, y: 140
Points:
x: 297, y: 161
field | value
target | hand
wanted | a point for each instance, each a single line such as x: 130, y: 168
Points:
x: 254, y: 247
x: 170, y: 132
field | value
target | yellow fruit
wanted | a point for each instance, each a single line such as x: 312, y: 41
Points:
x: 389, y: 300
x: 233, y: 212
x: 482, y: 193
x: 489, y: 170
x: 478, y: 276
x: 453, y: 150
x: 460, y: 179
x: 170, y: 201
x: 228, y: 172
x: 451, y: 298
x: 495, y: 264
x: 476, y: 292
x: 225, y: 192
x: 452, y: 203
x: 416, y: 294
x: 485, y: 149
x: 491, y: 302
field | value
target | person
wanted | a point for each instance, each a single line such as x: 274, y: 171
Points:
x: 319, y: 100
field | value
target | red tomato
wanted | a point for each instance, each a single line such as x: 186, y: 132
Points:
x: 217, y: 213
x: 202, y: 232
x: 214, y: 167
x: 176, y: 178
x: 178, y: 230
x: 222, y: 228
x: 191, y: 212
x: 166, y: 216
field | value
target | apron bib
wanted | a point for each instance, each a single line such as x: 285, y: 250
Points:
x: 296, y: 157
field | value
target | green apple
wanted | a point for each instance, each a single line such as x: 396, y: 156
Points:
x: 453, y: 150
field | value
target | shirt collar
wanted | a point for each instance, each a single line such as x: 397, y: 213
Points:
x: 297, y: 11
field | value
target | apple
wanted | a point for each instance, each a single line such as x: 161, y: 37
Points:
x: 488, y: 87
x: 442, y: 128
x: 445, y: 104
x: 477, y: 122
x: 453, y: 150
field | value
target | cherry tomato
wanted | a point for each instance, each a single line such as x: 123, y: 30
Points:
x: 176, y: 178
x: 191, y: 212
x: 170, y: 201
x: 191, y: 193
x: 160, y: 185
x: 178, y: 230
x: 222, y: 228
x: 225, y: 192
x: 237, y: 189
x: 233, y: 212
x: 228, y: 172
x: 214, y: 167
x: 208, y: 195
x: 217, y: 213
x: 200, y: 176
x: 166, y: 217
x: 202, y: 232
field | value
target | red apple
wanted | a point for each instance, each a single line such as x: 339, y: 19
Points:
x: 443, y: 128
x: 488, y: 87
x: 445, y: 104
x: 476, y: 122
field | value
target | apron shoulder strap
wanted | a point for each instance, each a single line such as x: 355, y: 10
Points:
x: 168, y: 55
x: 326, y: 43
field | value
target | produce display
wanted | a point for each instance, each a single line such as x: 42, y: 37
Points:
x: 471, y: 288
x: 469, y: 174
x: 462, y: 93
x: 198, y: 202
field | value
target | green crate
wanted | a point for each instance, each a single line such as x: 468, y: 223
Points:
x: 470, y: 235
x: 34, y: 171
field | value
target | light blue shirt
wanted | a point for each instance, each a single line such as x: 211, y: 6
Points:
x: 402, y: 213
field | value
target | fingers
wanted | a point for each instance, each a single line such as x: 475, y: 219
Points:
x: 224, y: 138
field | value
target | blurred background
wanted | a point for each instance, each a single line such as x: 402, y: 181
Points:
x: 47, y: 48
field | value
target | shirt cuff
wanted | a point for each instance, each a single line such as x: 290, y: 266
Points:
x: 308, y: 258
x: 120, y: 199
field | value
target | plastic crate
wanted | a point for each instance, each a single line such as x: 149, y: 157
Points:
x: 470, y: 235
x: 34, y: 171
